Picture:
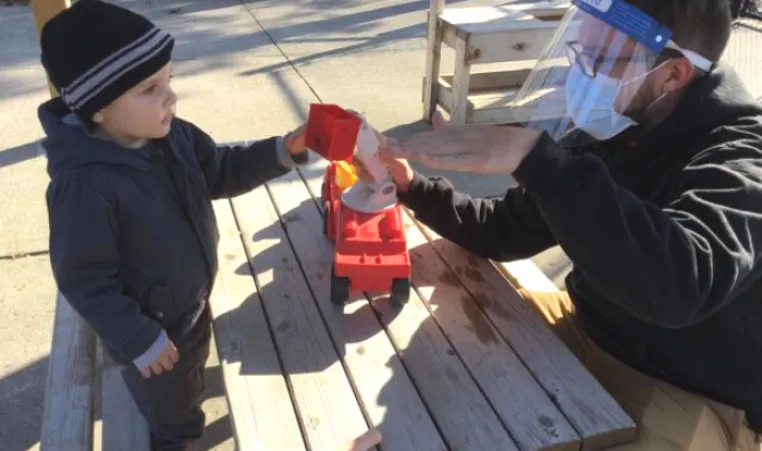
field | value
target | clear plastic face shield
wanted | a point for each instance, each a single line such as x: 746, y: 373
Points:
x: 590, y: 75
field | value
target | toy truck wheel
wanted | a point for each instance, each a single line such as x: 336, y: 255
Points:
x: 339, y: 288
x: 400, y: 291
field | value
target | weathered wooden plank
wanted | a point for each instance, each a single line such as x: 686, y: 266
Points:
x: 386, y: 391
x: 546, y: 10
x: 433, y: 58
x: 522, y: 40
x: 495, y: 20
x: 67, y: 421
x: 464, y: 417
x: 124, y: 428
x: 459, y: 111
x: 512, y: 74
x: 444, y: 96
x: 501, y: 107
x: 325, y: 402
x: 260, y: 404
x: 529, y: 414
x: 525, y: 274
x: 589, y: 408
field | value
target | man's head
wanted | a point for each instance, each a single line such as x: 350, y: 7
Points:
x: 700, y: 26
x: 112, y: 68
x: 617, y: 81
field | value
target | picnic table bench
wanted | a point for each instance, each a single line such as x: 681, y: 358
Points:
x: 86, y: 400
x: 466, y: 364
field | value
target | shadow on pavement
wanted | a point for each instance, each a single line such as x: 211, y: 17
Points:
x: 22, y: 394
x: 19, y: 154
x: 22, y: 397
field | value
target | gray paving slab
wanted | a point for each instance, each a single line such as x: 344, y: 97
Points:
x: 327, y: 28
x: 345, y: 25
x: 242, y: 102
x: 23, y: 218
x: 23, y: 86
x: 19, y: 40
x: 207, y: 30
x: 27, y: 295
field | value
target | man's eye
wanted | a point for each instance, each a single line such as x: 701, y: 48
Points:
x: 150, y: 90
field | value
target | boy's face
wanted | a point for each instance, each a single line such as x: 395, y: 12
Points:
x: 143, y: 112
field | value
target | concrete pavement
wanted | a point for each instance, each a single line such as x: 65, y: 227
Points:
x: 244, y: 71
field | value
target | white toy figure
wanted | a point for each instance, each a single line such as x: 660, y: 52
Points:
x: 370, y: 197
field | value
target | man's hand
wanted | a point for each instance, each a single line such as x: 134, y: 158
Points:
x: 164, y: 362
x: 295, y: 140
x: 467, y: 148
x: 399, y: 169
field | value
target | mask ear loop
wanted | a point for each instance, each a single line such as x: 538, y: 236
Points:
x: 644, y: 75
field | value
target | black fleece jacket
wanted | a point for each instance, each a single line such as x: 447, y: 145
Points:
x: 665, y: 235
x: 132, y: 242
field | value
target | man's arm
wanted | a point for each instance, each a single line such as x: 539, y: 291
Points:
x: 671, y: 266
x: 500, y: 229
x: 234, y: 170
x: 85, y: 266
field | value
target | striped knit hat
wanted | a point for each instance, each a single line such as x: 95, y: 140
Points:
x: 95, y: 51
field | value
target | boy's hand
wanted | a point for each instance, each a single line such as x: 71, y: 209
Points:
x: 164, y: 362
x: 295, y: 140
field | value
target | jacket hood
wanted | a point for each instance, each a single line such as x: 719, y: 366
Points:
x: 715, y: 99
x: 70, y: 145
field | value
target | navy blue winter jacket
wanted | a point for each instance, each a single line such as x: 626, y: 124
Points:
x: 133, y: 243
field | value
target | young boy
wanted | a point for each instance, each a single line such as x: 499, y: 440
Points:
x: 132, y: 230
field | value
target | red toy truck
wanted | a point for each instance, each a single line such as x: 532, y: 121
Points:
x: 371, y: 251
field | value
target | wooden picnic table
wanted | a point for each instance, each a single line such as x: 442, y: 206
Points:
x: 465, y: 365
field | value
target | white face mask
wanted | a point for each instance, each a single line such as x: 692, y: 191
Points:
x: 590, y: 103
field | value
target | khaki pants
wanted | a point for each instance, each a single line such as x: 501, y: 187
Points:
x: 668, y: 418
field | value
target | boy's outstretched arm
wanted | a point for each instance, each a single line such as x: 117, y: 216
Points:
x: 85, y: 266
x: 234, y: 170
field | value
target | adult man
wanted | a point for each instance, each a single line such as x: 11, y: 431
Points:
x: 656, y: 197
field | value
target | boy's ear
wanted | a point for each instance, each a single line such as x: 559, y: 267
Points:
x: 98, y: 117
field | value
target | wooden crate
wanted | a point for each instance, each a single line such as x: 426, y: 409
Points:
x: 512, y: 34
